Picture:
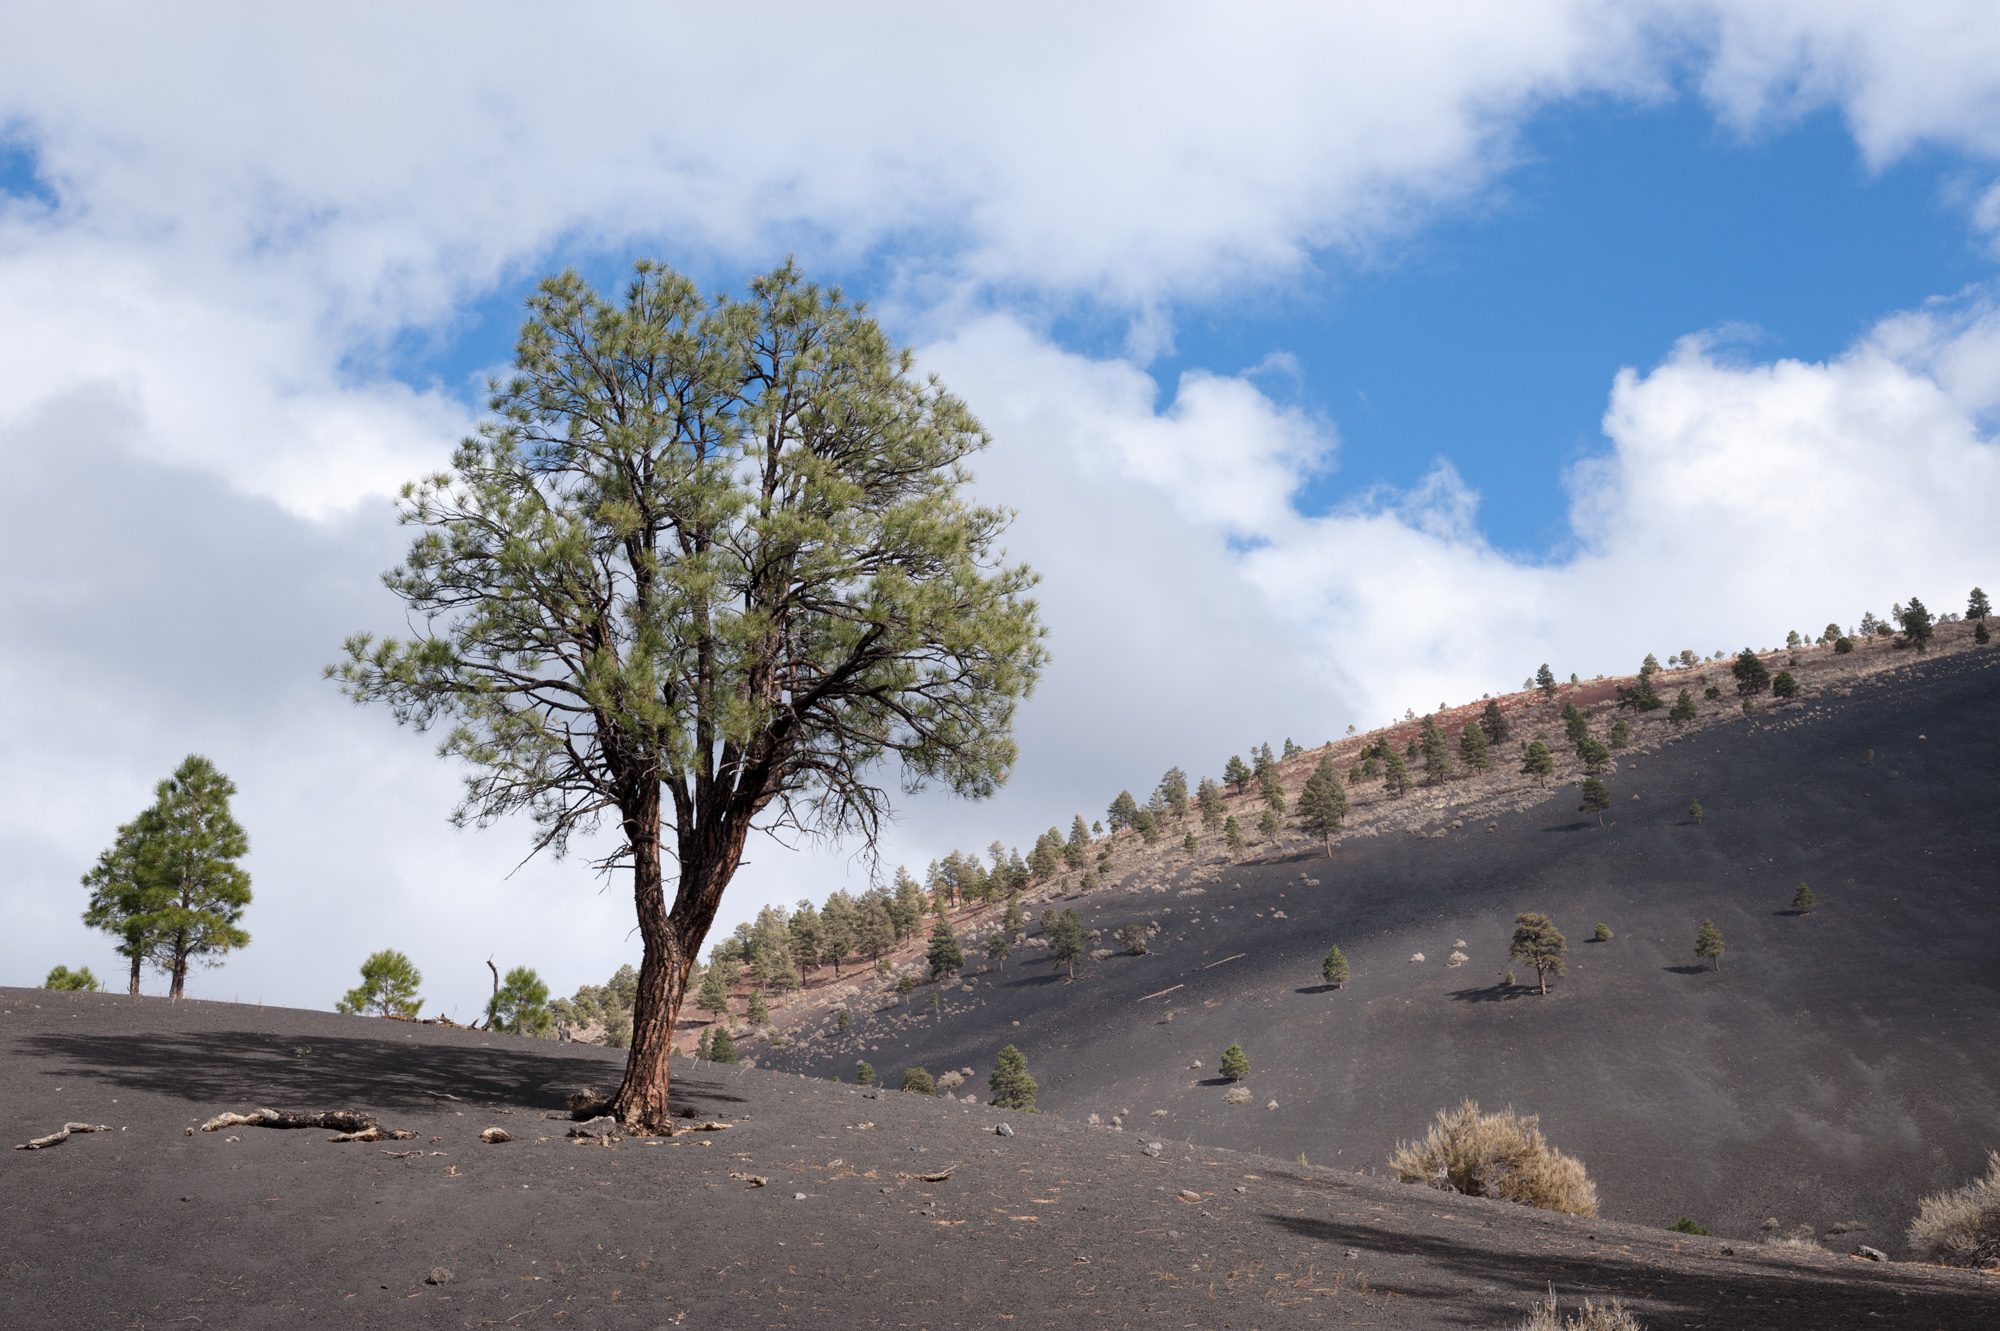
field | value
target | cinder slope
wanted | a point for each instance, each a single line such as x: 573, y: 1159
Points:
x: 1837, y: 1067
x: 1057, y: 1225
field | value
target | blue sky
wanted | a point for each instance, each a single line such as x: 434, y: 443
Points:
x: 1481, y: 234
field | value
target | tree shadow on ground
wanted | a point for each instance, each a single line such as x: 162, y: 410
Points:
x: 1570, y: 827
x: 229, y: 1068
x: 1784, y: 1294
x: 1497, y: 992
x: 1033, y: 981
x: 1696, y: 969
x: 1315, y: 988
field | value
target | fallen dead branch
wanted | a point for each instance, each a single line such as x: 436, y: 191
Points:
x: 1213, y: 964
x: 351, y: 1125
x: 1161, y: 994
x: 61, y: 1135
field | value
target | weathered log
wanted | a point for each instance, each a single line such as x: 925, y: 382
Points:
x: 339, y: 1120
x: 375, y: 1132
x: 61, y: 1135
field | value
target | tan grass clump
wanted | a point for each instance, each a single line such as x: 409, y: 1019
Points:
x: 1499, y: 1155
x: 1547, y: 1316
x: 1961, y: 1227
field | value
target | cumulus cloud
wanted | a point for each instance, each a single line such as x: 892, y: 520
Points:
x: 241, y: 218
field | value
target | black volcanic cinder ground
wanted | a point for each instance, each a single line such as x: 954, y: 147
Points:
x: 1057, y: 1225
x: 1838, y: 1066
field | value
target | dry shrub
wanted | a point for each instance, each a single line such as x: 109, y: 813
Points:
x: 1961, y: 1227
x: 1498, y: 1155
x: 1547, y: 1316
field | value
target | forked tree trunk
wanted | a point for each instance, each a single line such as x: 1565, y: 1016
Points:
x: 671, y: 942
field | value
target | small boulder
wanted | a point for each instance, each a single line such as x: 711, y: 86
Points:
x: 1003, y: 1130
x: 1152, y: 1149
x: 1873, y: 1254
x: 494, y: 1136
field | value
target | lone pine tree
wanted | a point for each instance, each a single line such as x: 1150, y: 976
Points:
x: 1538, y: 762
x: 1323, y: 803
x: 1395, y: 776
x: 1683, y: 710
x: 1596, y: 799
x: 713, y: 997
x: 1545, y: 680
x: 864, y: 1073
x: 1917, y: 624
x: 1473, y: 748
x: 389, y: 984
x: 1334, y: 969
x: 1752, y: 676
x: 1494, y: 722
x: 1708, y: 944
x: 1803, y: 900
x: 946, y: 957
x: 704, y: 568
x: 1235, y: 1063
x: 1010, y: 1086
x: 521, y: 1005
x: 722, y: 1049
x: 170, y: 888
x: 1232, y: 832
x: 1540, y: 944
x: 1064, y: 931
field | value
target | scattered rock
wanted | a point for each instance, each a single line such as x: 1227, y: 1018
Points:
x: 798, y: 1196
x: 749, y: 1180
x: 1272, y: 1105
x: 1416, y: 958
x: 438, y: 1276
x: 603, y: 1126
x: 585, y: 1097
x: 493, y: 1137
x: 1873, y: 1254
x: 1152, y: 1150
x: 1188, y: 1195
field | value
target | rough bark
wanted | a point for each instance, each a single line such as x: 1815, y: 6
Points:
x: 136, y: 958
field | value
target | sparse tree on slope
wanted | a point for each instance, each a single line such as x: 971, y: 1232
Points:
x: 1473, y: 748
x: 125, y: 898
x: 1545, y: 680
x: 1232, y: 832
x: 946, y: 957
x: 1236, y: 772
x: 521, y: 1007
x: 1593, y: 753
x: 1124, y: 811
x: 1596, y: 799
x: 1208, y: 796
x: 1538, y: 762
x: 758, y: 1011
x: 1235, y: 1063
x: 1010, y: 1086
x: 1684, y: 709
x: 389, y: 984
x: 1538, y: 943
x: 1708, y: 944
x: 1437, y: 754
x: 192, y: 850
x: 1917, y: 625
x: 1752, y: 676
x: 1977, y: 607
x: 711, y: 561
x: 1323, y: 803
x: 79, y: 980
x: 1172, y: 792
x: 722, y: 1048
x: 1803, y: 900
x: 1395, y: 776
x: 1334, y: 969
x: 1494, y: 722
x: 1064, y: 931
x: 713, y: 997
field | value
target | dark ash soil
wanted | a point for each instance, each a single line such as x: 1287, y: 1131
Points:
x: 1838, y: 1067
x: 1060, y: 1224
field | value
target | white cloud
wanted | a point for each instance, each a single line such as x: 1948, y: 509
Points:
x: 253, y: 208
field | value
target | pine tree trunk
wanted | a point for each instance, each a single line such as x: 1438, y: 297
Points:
x: 136, y: 959
x: 178, y: 988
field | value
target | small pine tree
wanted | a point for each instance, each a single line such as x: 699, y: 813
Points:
x: 841, y: 1020
x: 1752, y: 677
x: 1010, y: 1086
x: 1189, y: 844
x: 1842, y: 645
x: 1267, y: 824
x: 1602, y: 933
x: 1334, y: 969
x: 1980, y: 633
x: 946, y: 957
x: 918, y: 1082
x: 1917, y: 624
x: 864, y: 1073
x: 1545, y: 680
x: 1540, y: 944
x: 1687, y: 1226
x: 1232, y: 831
x: 702, y: 1048
x: 998, y: 948
x: 1683, y: 710
x: 1065, y: 936
x: 1538, y: 762
x: 1596, y: 798
x: 1133, y: 938
x: 722, y: 1049
x: 1785, y: 685
x: 1473, y: 748
x: 1235, y: 1063
x: 1494, y: 722
x: 1621, y: 734
x: 79, y: 980
x: 1708, y: 944
x: 1803, y: 900
x: 1395, y: 775
x: 521, y: 1006
x: 389, y: 984
x: 1977, y: 607
x: 713, y: 996
x: 759, y: 1011
x: 1437, y: 754
x: 1323, y: 803
x: 1694, y: 811
x: 1208, y: 798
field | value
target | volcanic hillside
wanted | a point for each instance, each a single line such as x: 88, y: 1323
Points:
x: 1837, y: 1066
